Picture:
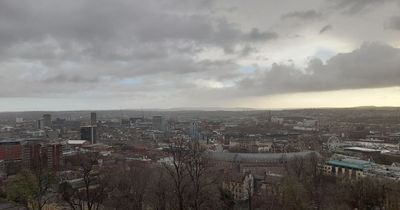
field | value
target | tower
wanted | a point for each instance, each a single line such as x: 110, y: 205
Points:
x: 88, y: 133
x: 47, y: 120
x: 194, y: 130
x: 157, y: 123
x: 93, y: 119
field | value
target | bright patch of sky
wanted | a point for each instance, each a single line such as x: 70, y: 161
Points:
x: 130, y: 81
x: 324, y: 54
x: 247, y: 69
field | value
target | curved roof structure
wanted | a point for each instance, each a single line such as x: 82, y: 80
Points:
x: 257, y: 157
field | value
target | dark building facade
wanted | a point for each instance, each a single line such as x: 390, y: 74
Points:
x: 42, y: 155
x: 88, y: 133
x: 157, y: 123
x: 93, y: 119
x: 47, y: 120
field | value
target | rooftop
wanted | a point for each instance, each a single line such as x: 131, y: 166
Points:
x: 350, y: 163
x: 361, y: 149
x: 76, y: 142
x: 257, y: 157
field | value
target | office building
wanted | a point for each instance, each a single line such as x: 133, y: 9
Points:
x: 158, y: 123
x: 93, y: 119
x: 88, y: 133
x: 39, y: 124
x: 47, y: 120
x: 194, y: 130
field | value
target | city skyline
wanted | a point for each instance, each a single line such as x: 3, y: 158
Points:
x: 100, y: 55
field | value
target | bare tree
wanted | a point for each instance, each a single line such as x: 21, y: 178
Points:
x: 160, y: 188
x: 194, y: 180
x: 92, y: 191
x: 249, y: 186
x: 129, y: 187
x: 295, y: 167
x: 197, y: 167
x: 177, y: 171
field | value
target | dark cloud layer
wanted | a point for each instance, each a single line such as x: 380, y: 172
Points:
x: 394, y: 23
x: 371, y: 66
x: 170, y: 49
x: 97, y: 27
x: 303, y: 15
x: 325, y: 29
x: 54, y: 43
x: 352, y: 7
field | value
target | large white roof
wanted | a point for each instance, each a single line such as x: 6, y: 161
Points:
x: 76, y: 141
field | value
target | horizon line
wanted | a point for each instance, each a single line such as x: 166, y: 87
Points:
x: 210, y: 109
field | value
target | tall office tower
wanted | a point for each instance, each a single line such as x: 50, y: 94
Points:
x: 157, y: 123
x: 39, y: 124
x: 93, y: 119
x: 194, y: 130
x: 47, y: 120
x: 269, y: 116
x: 88, y: 133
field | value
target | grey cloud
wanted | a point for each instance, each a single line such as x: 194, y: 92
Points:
x: 325, y: 29
x: 56, y: 47
x: 68, y: 48
x: 303, y: 15
x: 256, y: 35
x: 64, y: 78
x: 394, y: 23
x: 373, y: 65
x: 351, y: 7
x: 247, y: 50
x: 99, y: 26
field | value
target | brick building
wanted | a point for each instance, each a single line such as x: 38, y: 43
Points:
x: 42, y: 155
x: 10, y: 150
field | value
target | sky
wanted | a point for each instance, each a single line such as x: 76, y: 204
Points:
x: 135, y: 54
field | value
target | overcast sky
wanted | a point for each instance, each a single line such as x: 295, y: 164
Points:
x: 102, y: 54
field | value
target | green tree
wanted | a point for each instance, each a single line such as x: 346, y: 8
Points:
x: 32, y: 188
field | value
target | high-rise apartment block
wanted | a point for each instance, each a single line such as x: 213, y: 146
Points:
x: 42, y: 155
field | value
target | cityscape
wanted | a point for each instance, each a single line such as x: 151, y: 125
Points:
x: 200, y: 105
x: 133, y: 159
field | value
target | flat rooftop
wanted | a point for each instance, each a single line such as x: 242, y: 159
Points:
x: 352, y: 164
x: 361, y: 149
